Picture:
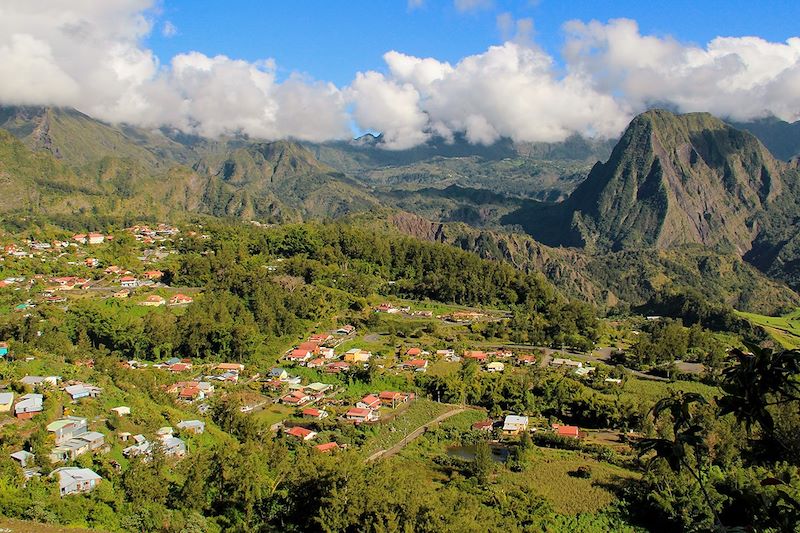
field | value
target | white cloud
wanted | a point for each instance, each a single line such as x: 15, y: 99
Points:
x: 89, y: 54
x: 508, y: 91
x: 737, y: 77
x: 414, y: 4
x: 168, y: 29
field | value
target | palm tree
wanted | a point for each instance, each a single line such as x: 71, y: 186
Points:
x: 687, y: 440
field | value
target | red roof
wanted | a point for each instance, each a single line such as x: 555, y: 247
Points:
x: 180, y: 367
x: 567, y: 431
x: 299, y: 432
x: 417, y: 363
x: 298, y: 354
x: 359, y: 412
x: 370, y: 399
x: 413, y: 351
x: 475, y: 355
x: 312, y: 412
x: 328, y: 446
x: 388, y: 395
x: 309, y: 346
x: 483, y: 424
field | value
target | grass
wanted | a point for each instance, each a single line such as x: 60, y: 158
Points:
x: 651, y: 390
x: 784, y: 329
x: 549, y: 476
x: 383, y: 436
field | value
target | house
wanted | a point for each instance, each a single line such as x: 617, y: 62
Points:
x: 327, y: 447
x: 359, y: 415
x: 417, y: 365
x: 180, y: 367
x: 28, y: 405
x: 475, y: 356
x: 320, y: 338
x: 297, y: 398
x: 128, y: 281
x: 311, y: 412
x: 192, y: 426
x: 326, y: 353
x: 82, y: 390
x: 301, y: 433
x: 37, y: 381
x: 369, y: 401
x: 79, y: 237
x: 318, y: 388
x: 232, y: 367
x: 514, y: 425
x: 393, y: 399
x: 72, y: 480
x: 483, y: 425
x: 279, y: 374
x: 154, y: 300
x: 495, y: 366
x: 558, y: 361
x: 122, y: 293
x: 190, y: 393
x: 316, y: 363
x: 142, y: 447
x: 615, y: 381
x: 298, y: 355
x: 584, y: 371
x: 96, y: 238
x: 567, y: 431
x: 67, y: 428
x: 154, y: 274
x: 446, y: 354
x: 337, y: 367
x: 356, y: 355
x: 173, y: 447
x: 526, y: 360
x: 23, y: 457
x: 6, y: 401
x: 414, y: 352
x: 312, y: 347
x: 122, y: 410
x: 91, y: 262
x: 346, y: 330
x: 206, y: 388
x: 180, y: 299
x: 164, y: 432
x: 88, y: 441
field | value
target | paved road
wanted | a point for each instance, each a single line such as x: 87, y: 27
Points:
x: 380, y: 454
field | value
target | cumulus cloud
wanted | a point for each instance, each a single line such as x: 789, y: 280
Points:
x: 508, y: 91
x: 736, y: 77
x: 89, y: 54
x: 168, y: 29
x: 473, y: 5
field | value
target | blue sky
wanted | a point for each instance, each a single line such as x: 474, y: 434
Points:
x: 333, y: 39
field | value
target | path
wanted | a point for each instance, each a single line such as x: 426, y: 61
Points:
x: 380, y: 454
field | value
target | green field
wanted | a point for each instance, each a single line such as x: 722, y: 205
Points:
x: 784, y: 329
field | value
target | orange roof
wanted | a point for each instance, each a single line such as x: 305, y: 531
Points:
x: 370, y: 399
x: 310, y: 346
x: 414, y: 351
x: 567, y: 431
x: 388, y: 395
x: 357, y: 411
x: 297, y: 431
x: 311, y: 412
x: 328, y: 446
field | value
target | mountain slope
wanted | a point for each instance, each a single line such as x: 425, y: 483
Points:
x: 781, y: 137
x: 671, y: 180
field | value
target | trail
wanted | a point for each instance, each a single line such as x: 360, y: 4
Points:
x: 380, y: 454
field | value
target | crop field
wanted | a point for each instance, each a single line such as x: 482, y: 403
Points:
x: 421, y: 411
x: 784, y: 329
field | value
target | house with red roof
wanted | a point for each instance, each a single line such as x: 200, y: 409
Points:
x: 393, y: 399
x: 301, y: 433
x: 313, y: 412
x: 320, y: 338
x: 309, y: 346
x: 153, y: 274
x: 337, y: 367
x: 414, y: 352
x: 475, y: 356
x: 417, y: 365
x: 180, y: 299
x: 299, y: 356
x: 370, y: 401
x: 526, y: 360
x: 359, y: 415
x: 483, y: 425
x: 180, y: 367
x: 567, y: 431
x: 128, y: 281
x: 297, y: 398
x: 316, y: 363
x: 327, y: 447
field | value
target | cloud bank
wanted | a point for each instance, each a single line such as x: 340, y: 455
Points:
x: 89, y: 54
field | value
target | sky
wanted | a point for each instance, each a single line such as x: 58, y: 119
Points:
x: 531, y: 70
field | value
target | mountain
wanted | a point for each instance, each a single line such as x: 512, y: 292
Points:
x: 781, y: 137
x: 163, y: 171
x: 545, y: 171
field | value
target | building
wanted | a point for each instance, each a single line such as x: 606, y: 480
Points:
x: 514, y: 425
x: 356, y: 355
x: 73, y: 480
x: 297, y: 398
x: 3, y: 349
x: 495, y: 366
x: 128, y: 282
x: 359, y: 415
x: 154, y: 300
x: 311, y: 412
x: 192, y: 426
x: 38, y: 381
x: 298, y: 355
x: 346, y: 330
x: 526, y: 360
x: 82, y: 390
x: 558, y: 361
x: 417, y: 365
x: 567, y: 431
x: 6, y: 401
x: 180, y: 299
x: 96, y: 238
x: 28, y: 406
x: 327, y: 447
x: 67, y: 428
x: 232, y: 367
x: 475, y: 356
x: 483, y: 425
x: 279, y: 374
x: 87, y: 441
x: 301, y: 433
x: 393, y: 399
x: 23, y: 457
x: 369, y: 401
x: 122, y: 410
